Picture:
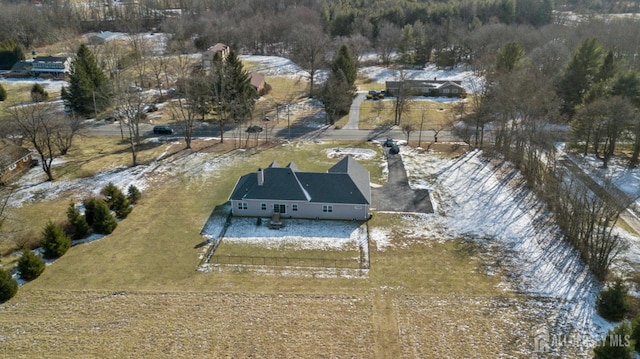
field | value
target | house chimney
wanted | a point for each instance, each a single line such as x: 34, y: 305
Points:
x: 260, y: 177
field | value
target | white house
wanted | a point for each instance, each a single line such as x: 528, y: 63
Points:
x: 343, y: 192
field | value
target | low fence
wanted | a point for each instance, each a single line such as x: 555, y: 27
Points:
x: 285, y: 261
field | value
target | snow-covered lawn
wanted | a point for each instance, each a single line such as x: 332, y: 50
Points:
x: 489, y: 204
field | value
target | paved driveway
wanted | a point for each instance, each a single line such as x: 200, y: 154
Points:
x: 396, y: 195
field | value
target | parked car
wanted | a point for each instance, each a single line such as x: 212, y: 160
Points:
x: 394, y: 149
x: 388, y: 142
x: 162, y: 130
x: 372, y: 95
x: 254, y: 129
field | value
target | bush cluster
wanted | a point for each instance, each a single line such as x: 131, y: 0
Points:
x: 30, y: 265
x: 56, y: 238
x: 612, y: 303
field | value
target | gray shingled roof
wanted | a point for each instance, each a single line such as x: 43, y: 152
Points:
x: 279, y: 183
x: 345, y: 182
x: 10, y: 153
x: 358, y: 174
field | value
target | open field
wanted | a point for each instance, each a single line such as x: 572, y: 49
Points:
x: 136, y: 292
x: 380, y: 113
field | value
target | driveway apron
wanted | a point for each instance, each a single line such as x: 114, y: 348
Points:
x: 396, y: 195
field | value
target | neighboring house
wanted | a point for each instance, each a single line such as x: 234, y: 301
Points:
x: 103, y: 37
x: 56, y: 67
x: 434, y: 88
x: 210, y: 54
x: 343, y: 192
x: 20, y: 69
x: 258, y: 83
x: 13, y: 160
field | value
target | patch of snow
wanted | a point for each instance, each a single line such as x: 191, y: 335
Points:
x: 356, y: 153
x: 470, y: 81
x: 280, y: 66
x: 297, y: 233
x: 490, y: 205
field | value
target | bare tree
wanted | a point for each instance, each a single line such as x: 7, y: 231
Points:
x: 408, y: 129
x: 387, y: 41
x: 68, y: 127
x: 310, y: 44
x: 402, y: 99
x: 194, y: 89
x: 130, y: 110
x: 38, y: 124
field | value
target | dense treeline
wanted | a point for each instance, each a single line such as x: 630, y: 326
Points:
x: 257, y: 26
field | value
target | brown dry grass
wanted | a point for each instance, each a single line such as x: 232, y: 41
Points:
x: 374, y: 114
x: 76, y: 308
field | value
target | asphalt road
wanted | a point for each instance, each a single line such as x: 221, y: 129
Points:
x: 325, y: 133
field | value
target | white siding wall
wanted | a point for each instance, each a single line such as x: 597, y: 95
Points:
x: 305, y: 210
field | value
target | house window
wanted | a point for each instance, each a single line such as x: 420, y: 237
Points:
x: 294, y: 207
x: 327, y: 208
x: 12, y: 167
x: 25, y: 159
x: 279, y: 208
x: 263, y: 206
x: 242, y: 205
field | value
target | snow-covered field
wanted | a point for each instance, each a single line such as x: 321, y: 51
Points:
x: 489, y: 204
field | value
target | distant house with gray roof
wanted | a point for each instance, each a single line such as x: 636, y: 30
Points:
x: 343, y: 192
x: 435, y: 87
x: 14, y: 160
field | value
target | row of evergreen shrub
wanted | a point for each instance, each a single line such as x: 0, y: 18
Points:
x: 56, y: 239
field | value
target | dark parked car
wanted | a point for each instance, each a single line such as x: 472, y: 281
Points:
x: 394, y: 149
x: 162, y: 130
x: 388, y: 142
x: 254, y: 129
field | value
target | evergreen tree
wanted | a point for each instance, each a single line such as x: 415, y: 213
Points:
x: 580, y: 74
x: 11, y: 52
x: 608, y: 68
x: 38, y: 93
x: 508, y: 57
x: 339, y: 89
x: 616, y: 344
x: 3, y: 93
x: 233, y: 96
x: 8, y: 286
x: 241, y: 96
x: 116, y: 200
x: 346, y: 62
x: 55, y: 241
x: 611, y: 303
x: 133, y: 194
x: 336, y: 96
x: 99, y: 216
x: 87, y: 92
x: 30, y: 265
x: 78, y: 223
x: 635, y: 333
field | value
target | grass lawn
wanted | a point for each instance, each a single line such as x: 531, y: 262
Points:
x: 380, y: 113
x: 136, y: 292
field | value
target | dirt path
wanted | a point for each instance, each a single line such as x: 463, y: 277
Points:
x: 385, y: 328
